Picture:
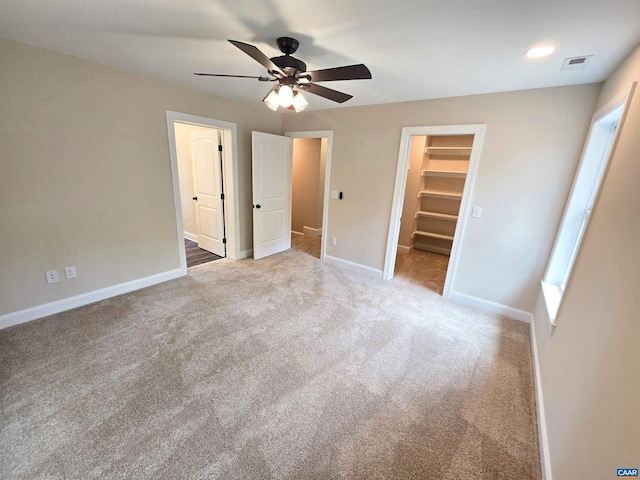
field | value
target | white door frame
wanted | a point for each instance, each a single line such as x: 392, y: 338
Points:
x: 230, y: 173
x: 328, y: 134
x: 477, y: 130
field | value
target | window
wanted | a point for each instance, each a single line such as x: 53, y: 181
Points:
x: 582, y: 199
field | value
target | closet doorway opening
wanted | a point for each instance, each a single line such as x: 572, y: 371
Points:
x: 434, y: 182
x: 311, y: 157
x: 204, y: 166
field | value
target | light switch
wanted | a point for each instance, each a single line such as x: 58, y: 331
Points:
x: 477, y: 211
x: 335, y: 194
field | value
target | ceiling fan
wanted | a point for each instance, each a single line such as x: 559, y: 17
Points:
x: 292, y: 76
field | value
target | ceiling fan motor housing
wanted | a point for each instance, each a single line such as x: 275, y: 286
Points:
x: 287, y: 63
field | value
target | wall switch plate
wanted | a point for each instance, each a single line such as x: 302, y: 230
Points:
x: 70, y: 272
x: 335, y: 194
x: 334, y: 241
x: 52, y: 276
x: 477, y: 211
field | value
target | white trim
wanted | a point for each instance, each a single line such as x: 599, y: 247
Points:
x: 404, y: 250
x: 328, y: 134
x: 552, y: 296
x: 493, y: 307
x: 245, y: 254
x: 311, y: 232
x: 296, y: 234
x: 477, y: 130
x: 58, y: 306
x: 354, y: 267
x: 190, y: 236
x: 230, y: 160
x: 543, y: 437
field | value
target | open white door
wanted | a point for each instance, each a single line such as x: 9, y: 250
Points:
x: 207, y: 185
x: 271, y: 194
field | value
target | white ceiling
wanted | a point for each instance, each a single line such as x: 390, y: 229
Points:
x: 415, y: 49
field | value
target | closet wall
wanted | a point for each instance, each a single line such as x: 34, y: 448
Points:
x: 307, y: 192
x: 411, y: 201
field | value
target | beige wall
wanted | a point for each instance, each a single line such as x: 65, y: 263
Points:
x: 305, y: 209
x: 185, y: 175
x: 411, y: 200
x: 85, y: 176
x: 532, y: 144
x: 589, y: 365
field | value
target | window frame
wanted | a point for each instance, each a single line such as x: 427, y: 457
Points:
x: 599, y: 148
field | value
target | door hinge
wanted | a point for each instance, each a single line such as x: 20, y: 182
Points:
x: 222, y: 196
x: 224, y: 240
x: 219, y: 148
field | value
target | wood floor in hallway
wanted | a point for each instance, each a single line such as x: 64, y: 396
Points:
x: 196, y: 255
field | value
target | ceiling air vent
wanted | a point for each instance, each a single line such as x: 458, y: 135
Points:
x: 575, y: 63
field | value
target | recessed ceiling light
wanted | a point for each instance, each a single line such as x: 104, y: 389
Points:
x: 541, y: 51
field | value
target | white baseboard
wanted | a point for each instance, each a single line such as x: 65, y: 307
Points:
x: 245, y: 254
x: 403, y: 249
x: 190, y: 236
x: 58, y: 306
x: 543, y: 438
x: 354, y: 267
x: 430, y: 248
x: 489, y: 306
x: 296, y: 234
x: 312, y: 232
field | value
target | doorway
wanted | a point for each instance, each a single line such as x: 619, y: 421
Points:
x: 310, y: 187
x: 434, y: 182
x: 204, y: 184
x: 201, y: 188
x: 307, y: 193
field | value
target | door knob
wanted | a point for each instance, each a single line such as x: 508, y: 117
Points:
x: 195, y: 198
x: 258, y: 206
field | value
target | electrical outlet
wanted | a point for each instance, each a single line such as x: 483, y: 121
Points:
x: 334, y: 241
x: 52, y: 276
x: 70, y: 272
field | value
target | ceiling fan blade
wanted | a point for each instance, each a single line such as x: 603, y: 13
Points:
x: 258, y: 56
x: 261, y: 79
x: 350, y: 72
x: 325, y: 92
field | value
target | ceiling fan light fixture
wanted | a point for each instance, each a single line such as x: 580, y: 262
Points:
x: 285, y: 94
x: 299, y: 102
x: 272, y: 100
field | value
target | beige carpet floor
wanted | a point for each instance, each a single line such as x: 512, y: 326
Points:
x: 283, y: 368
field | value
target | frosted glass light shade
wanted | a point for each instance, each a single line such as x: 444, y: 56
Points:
x: 285, y: 93
x: 299, y: 102
x: 272, y: 101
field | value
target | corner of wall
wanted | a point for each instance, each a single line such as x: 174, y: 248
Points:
x: 543, y: 438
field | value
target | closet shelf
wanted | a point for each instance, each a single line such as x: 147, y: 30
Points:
x: 444, y: 173
x: 440, y: 194
x: 449, y: 150
x: 442, y: 216
x: 433, y: 235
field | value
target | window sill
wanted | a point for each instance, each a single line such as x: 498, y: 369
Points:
x: 552, y: 295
